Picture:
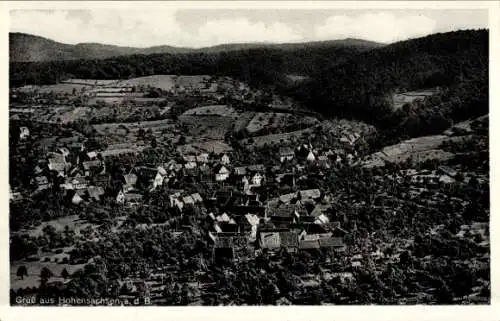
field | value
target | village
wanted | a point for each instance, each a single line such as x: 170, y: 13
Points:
x: 242, y: 199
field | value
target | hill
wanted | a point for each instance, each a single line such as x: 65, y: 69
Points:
x: 26, y: 47
x: 451, y: 68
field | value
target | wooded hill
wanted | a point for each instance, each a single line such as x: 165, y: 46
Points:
x: 349, y: 79
x: 26, y: 47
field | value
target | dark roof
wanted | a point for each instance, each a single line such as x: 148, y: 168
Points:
x: 287, y: 151
x: 256, y: 168
x: 309, y: 244
x: 289, y: 239
x: 224, y: 242
x: 331, y: 242
x: 286, y: 210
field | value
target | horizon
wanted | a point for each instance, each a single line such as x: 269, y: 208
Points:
x: 200, y: 28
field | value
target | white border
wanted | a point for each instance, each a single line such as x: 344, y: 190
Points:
x: 371, y: 313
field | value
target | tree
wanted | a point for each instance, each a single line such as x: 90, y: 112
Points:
x: 22, y: 271
x: 45, y: 273
x: 65, y: 274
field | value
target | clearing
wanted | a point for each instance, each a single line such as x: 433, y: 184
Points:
x: 410, y: 96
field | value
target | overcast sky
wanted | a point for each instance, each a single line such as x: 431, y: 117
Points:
x: 198, y: 28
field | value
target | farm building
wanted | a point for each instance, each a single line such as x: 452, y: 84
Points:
x: 286, y: 153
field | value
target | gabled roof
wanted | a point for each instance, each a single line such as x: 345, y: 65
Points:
x: 331, y: 242
x: 286, y: 198
x: 189, y: 158
x: 95, y: 192
x: 133, y: 197
x: 270, y: 240
x: 224, y: 242
x: 188, y: 200
x: 222, y: 170
x: 256, y: 168
x: 310, y: 193
x: 309, y: 244
x: 240, y: 170
x: 89, y: 164
x: 286, y: 151
x: 197, y: 197
x: 40, y: 180
x: 130, y: 179
x: 252, y: 219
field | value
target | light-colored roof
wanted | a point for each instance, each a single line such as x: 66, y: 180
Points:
x: 310, y: 193
x: 130, y: 179
x: 252, y: 219
x: 270, y: 240
x: 188, y: 200
x: 197, y: 197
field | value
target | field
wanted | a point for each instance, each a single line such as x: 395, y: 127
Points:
x: 212, y: 127
x: 205, y: 146
x: 214, y: 110
x: 410, y: 96
x: 91, y: 82
x: 340, y: 127
x: 275, y: 139
x: 166, y: 82
x: 242, y: 121
x: 418, y: 149
x: 62, y: 88
x: 34, y: 269
x: 72, y: 221
x: 128, y: 132
x: 273, y: 121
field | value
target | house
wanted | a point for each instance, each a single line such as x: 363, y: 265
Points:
x: 310, y: 157
x: 77, y: 198
x: 92, y: 155
x: 89, y: 166
x: 129, y: 181
x: 190, y: 165
x: 321, y: 219
x: 197, y: 198
x: 269, y: 240
x: 257, y: 179
x: 133, y: 198
x: 78, y: 183
x: 95, y: 192
x: 225, y: 160
x: 256, y: 168
x: 448, y: 171
x: 42, y: 182
x: 286, y: 153
x: 285, y: 213
x: 202, y: 158
x: 319, y: 209
x: 309, y: 245
x: 310, y: 194
x: 289, y: 240
x: 287, y: 198
x: 101, y: 180
x: 150, y: 177
x: 221, y: 173
x: 250, y: 223
x: 189, y: 159
x: 64, y: 151
x: 24, y: 133
x: 240, y: 171
x: 188, y: 200
x: 224, y: 247
x: 323, y: 162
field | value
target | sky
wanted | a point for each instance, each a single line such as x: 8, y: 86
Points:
x: 206, y: 27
